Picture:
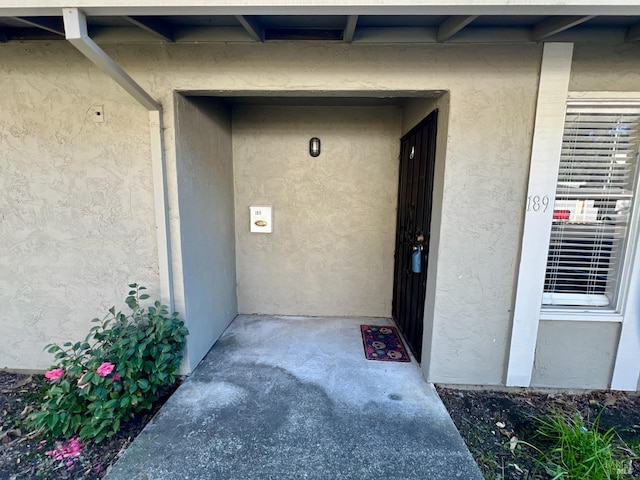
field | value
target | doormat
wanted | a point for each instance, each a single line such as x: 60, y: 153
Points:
x: 383, y: 343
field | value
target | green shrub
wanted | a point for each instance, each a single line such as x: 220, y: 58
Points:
x: 578, y: 450
x: 114, y: 373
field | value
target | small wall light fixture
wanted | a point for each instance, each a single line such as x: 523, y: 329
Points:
x: 314, y: 147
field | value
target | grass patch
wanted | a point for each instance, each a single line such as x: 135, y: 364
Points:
x: 503, y: 432
x: 573, y: 448
x: 634, y: 446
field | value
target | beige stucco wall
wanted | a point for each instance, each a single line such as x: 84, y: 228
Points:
x: 414, y: 110
x: 492, y: 98
x: 492, y: 101
x: 207, y: 226
x: 492, y: 92
x: 575, y: 354
x: 331, y: 250
x: 491, y: 113
x: 76, y: 203
x: 614, y: 68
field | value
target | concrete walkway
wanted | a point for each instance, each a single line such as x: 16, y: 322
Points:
x: 294, y: 398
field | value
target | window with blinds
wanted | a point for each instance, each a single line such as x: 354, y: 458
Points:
x: 595, y: 193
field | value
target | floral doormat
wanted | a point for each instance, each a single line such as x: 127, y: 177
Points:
x: 383, y: 343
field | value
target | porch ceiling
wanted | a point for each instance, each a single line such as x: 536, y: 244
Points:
x: 615, y: 22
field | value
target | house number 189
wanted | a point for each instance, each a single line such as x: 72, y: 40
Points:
x: 537, y: 203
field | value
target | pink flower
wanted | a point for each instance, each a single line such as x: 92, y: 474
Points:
x: 72, y: 449
x: 116, y: 377
x: 105, y: 369
x: 55, y: 373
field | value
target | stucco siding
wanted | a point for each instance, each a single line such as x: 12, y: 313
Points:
x: 614, y: 68
x: 489, y: 145
x: 331, y: 250
x: 207, y: 226
x: 492, y: 91
x: 575, y: 354
x: 76, y: 210
x: 415, y: 110
x: 77, y: 219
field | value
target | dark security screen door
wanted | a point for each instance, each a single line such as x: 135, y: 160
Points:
x: 417, y: 160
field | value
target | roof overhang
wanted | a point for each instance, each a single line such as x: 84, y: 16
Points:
x: 349, y: 21
x: 322, y: 7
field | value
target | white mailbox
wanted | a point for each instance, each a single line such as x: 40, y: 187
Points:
x: 261, y: 217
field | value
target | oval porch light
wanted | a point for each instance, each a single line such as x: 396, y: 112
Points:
x: 314, y: 147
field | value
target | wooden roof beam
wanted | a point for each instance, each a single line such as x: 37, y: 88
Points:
x: 75, y: 26
x: 350, y: 29
x: 554, y: 25
x: 153, y: 26
x: 453, y: 25
x: 50, y: 25
x: 633, y: 33
x: 253, y: 28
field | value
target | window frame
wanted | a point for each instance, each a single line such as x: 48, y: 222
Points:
x: 615, y: 311
x: 553, y: 94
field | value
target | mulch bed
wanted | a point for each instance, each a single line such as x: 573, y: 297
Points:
x: 488, y: 420
x: 23, y: 457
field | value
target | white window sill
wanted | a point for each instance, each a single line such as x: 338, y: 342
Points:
x: 574, y: 300
x: 573, y: 314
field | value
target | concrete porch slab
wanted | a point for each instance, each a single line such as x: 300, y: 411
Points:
x: 294, y: 398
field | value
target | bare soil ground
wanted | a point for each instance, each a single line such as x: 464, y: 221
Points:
x: 23, y: 456
x: 488, y: 421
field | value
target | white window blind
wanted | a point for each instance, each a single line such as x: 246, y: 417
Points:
x: 595, y: 190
